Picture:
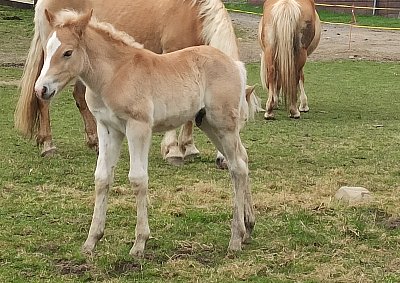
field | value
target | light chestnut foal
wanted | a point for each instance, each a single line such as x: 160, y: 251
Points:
x: 289, y: 31
x: 134, y: 92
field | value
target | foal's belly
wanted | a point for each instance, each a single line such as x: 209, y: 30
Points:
x: 171, y: 115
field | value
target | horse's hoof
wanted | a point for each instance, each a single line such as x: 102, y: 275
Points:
x: 304, y: 109
x: 92, y: 142
x: 269, y: 116
x: 48, y: 152
x: 295, y: 117
x: 221, y: 163
x: 191, y: 151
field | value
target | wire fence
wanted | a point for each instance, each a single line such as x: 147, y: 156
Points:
x: 350, y: 24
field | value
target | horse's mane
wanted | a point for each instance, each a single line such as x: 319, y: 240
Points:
x: 71, y: 17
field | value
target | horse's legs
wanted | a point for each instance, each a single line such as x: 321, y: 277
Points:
x: 303, y: 97
x: 185, y: 141
x: 272, y: 102
x: 44, y: 132
x: 300, y: 61
x: 139, y: 139
x: 110, y: 142
x: 170, y: 149
x: 87, y: 116
x: 243, y: 213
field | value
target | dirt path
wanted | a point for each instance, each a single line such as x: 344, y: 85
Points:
x: 377, y: 45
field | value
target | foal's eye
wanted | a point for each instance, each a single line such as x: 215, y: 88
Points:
x: 67, y: 53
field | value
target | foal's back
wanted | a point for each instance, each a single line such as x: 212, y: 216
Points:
x: 177, y: 85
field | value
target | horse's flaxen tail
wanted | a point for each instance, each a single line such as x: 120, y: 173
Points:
x: 285, y: 18
x: 218, y: 32
x: 26, y: 115
x: 217, y: 27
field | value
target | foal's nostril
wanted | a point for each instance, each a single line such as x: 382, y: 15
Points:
x: 44, y: 90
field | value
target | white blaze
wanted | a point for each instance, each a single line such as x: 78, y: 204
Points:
x: 52, y: 45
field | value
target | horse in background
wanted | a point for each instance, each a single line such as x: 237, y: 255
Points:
x: 140, y: 93
x: 161, y: 26
x: 289, y: 31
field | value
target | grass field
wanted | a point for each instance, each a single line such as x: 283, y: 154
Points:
x: 350, y: 137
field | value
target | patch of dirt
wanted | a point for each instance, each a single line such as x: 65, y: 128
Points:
x: 69, y: 267
x: 366, y: 44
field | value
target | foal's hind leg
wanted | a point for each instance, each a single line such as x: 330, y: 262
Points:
x: 87, y: 116
x: 185, y: 141
x: 230, y: 145
x: 110, y: 142
x: 44, y: 137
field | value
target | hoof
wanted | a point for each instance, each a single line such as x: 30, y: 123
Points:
x: 136, y: 253
x: 87, y: 249
x: 92, y: 142
x: 234, y: 246
x: 269, y: 116
x: 295, y: 117
x: 191, y: 151
x: 221, y: 163
x: 304, y: 109
x: 48, y: 151
x: 174, y: 156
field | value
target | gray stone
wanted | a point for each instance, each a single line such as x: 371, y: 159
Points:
x: 353, y: 194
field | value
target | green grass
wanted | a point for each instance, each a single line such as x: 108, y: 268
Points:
x: 327, y: 16
x: 296, y: 166
x: 350, y: 137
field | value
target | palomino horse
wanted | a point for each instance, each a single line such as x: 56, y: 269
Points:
x: 133, y: 92
x: 289, y: 31
x: 173, y: 25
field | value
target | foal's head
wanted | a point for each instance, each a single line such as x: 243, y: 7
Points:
x: 64, y: 57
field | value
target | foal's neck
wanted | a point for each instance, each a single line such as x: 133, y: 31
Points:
x: 106, y: 56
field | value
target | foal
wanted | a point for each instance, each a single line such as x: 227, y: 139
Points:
x: 133, y: 92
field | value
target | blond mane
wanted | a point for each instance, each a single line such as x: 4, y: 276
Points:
x: 71, y: 17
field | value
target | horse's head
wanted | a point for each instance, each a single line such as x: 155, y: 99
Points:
x: 64, y: 56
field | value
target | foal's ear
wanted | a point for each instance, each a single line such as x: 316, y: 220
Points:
x: 83, y: 22
x: 49, y: 16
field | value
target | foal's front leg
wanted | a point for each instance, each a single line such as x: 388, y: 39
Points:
x: 139, y: 139
x: 110, y: 142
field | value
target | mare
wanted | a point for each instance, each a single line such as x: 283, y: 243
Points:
x: 134, y: 92
x: 173, y: 25
x: 289, y: 31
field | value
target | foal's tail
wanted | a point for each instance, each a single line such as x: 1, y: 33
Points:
x: 26, y: 115
x: 246, y: 107
x: 285, y: 18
